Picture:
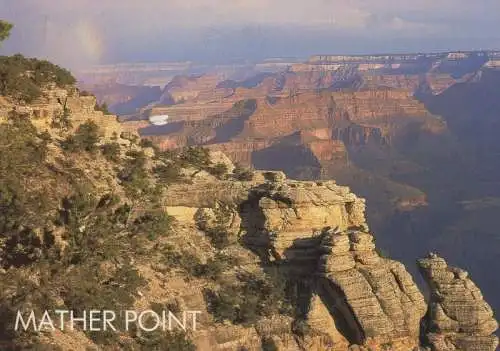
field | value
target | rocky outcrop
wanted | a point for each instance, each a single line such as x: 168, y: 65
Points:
x: 56, y: 102
x: 355, y: 297
x: 285, y: 219
x: 458, y: 318
x: 351, y: 297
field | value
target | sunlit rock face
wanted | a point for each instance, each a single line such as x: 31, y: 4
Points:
x: 317, y: 233
x: 352, y: 297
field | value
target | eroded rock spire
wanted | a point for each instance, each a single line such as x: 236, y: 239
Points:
x: 457, y: 318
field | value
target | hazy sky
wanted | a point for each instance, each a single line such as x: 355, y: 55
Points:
x: 81, y: 32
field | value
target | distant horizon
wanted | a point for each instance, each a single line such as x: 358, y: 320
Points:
x: 78, y: 34
x: 298, y: 58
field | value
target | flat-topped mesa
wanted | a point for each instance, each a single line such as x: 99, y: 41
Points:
x: 458, y: 318
x: 373, y: 300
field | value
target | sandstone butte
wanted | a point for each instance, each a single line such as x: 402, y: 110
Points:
x: 315, y: 231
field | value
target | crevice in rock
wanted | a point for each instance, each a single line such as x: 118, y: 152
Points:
x: 341, y: 312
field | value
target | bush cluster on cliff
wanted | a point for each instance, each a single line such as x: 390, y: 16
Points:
x: 85, y: 138
x: 196, y: 157
x: 66, y: 243
x: 24, y: 78
x: 218, y: 232
x: 247, y: 300
x: 111, y: 151
x: 72, y: 234
x: 243, y: 174
x: 103, y: 108
x: 23, y: 151
x: 171, y: 341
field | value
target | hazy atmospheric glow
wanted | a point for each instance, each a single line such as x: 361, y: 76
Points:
x: 78, y: 33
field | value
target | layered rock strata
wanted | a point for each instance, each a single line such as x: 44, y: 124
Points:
x: 458, y: 318
x: 351, y: 296
x: 56, y: 102
x: 376, y: 298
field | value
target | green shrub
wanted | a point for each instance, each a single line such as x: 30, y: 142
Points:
x: 219, y: 234
x: 381, y: 252
x: 301, y: 328
x: 168, y: 155
x: 181, y: 259
x: 62, y: 120
x: 85, y: 93
x: 243, y: 174
x: 85, y: 138
x: 111, y: 152
x: 129, y: 136
x: 22, y: 248
x: 45, y: 136
x: 122, y: 214
x: 146, y: 143
x: 170, y: 340
x: 5, y: 28
x: 103, y: 108
x: 219, y: 170
x: 168, y: 174
x: 153, y: 224
x: 89, y: 288
x: 23, y: 78
x: 219, y: 237
x: 215, y: 267
x: 136, y: 158
x: 246, y: 302
x: 22, y: 163
x: 197, y: 157
x: 268, y: 344
x: 387, y: 346
x: 134, y: 176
